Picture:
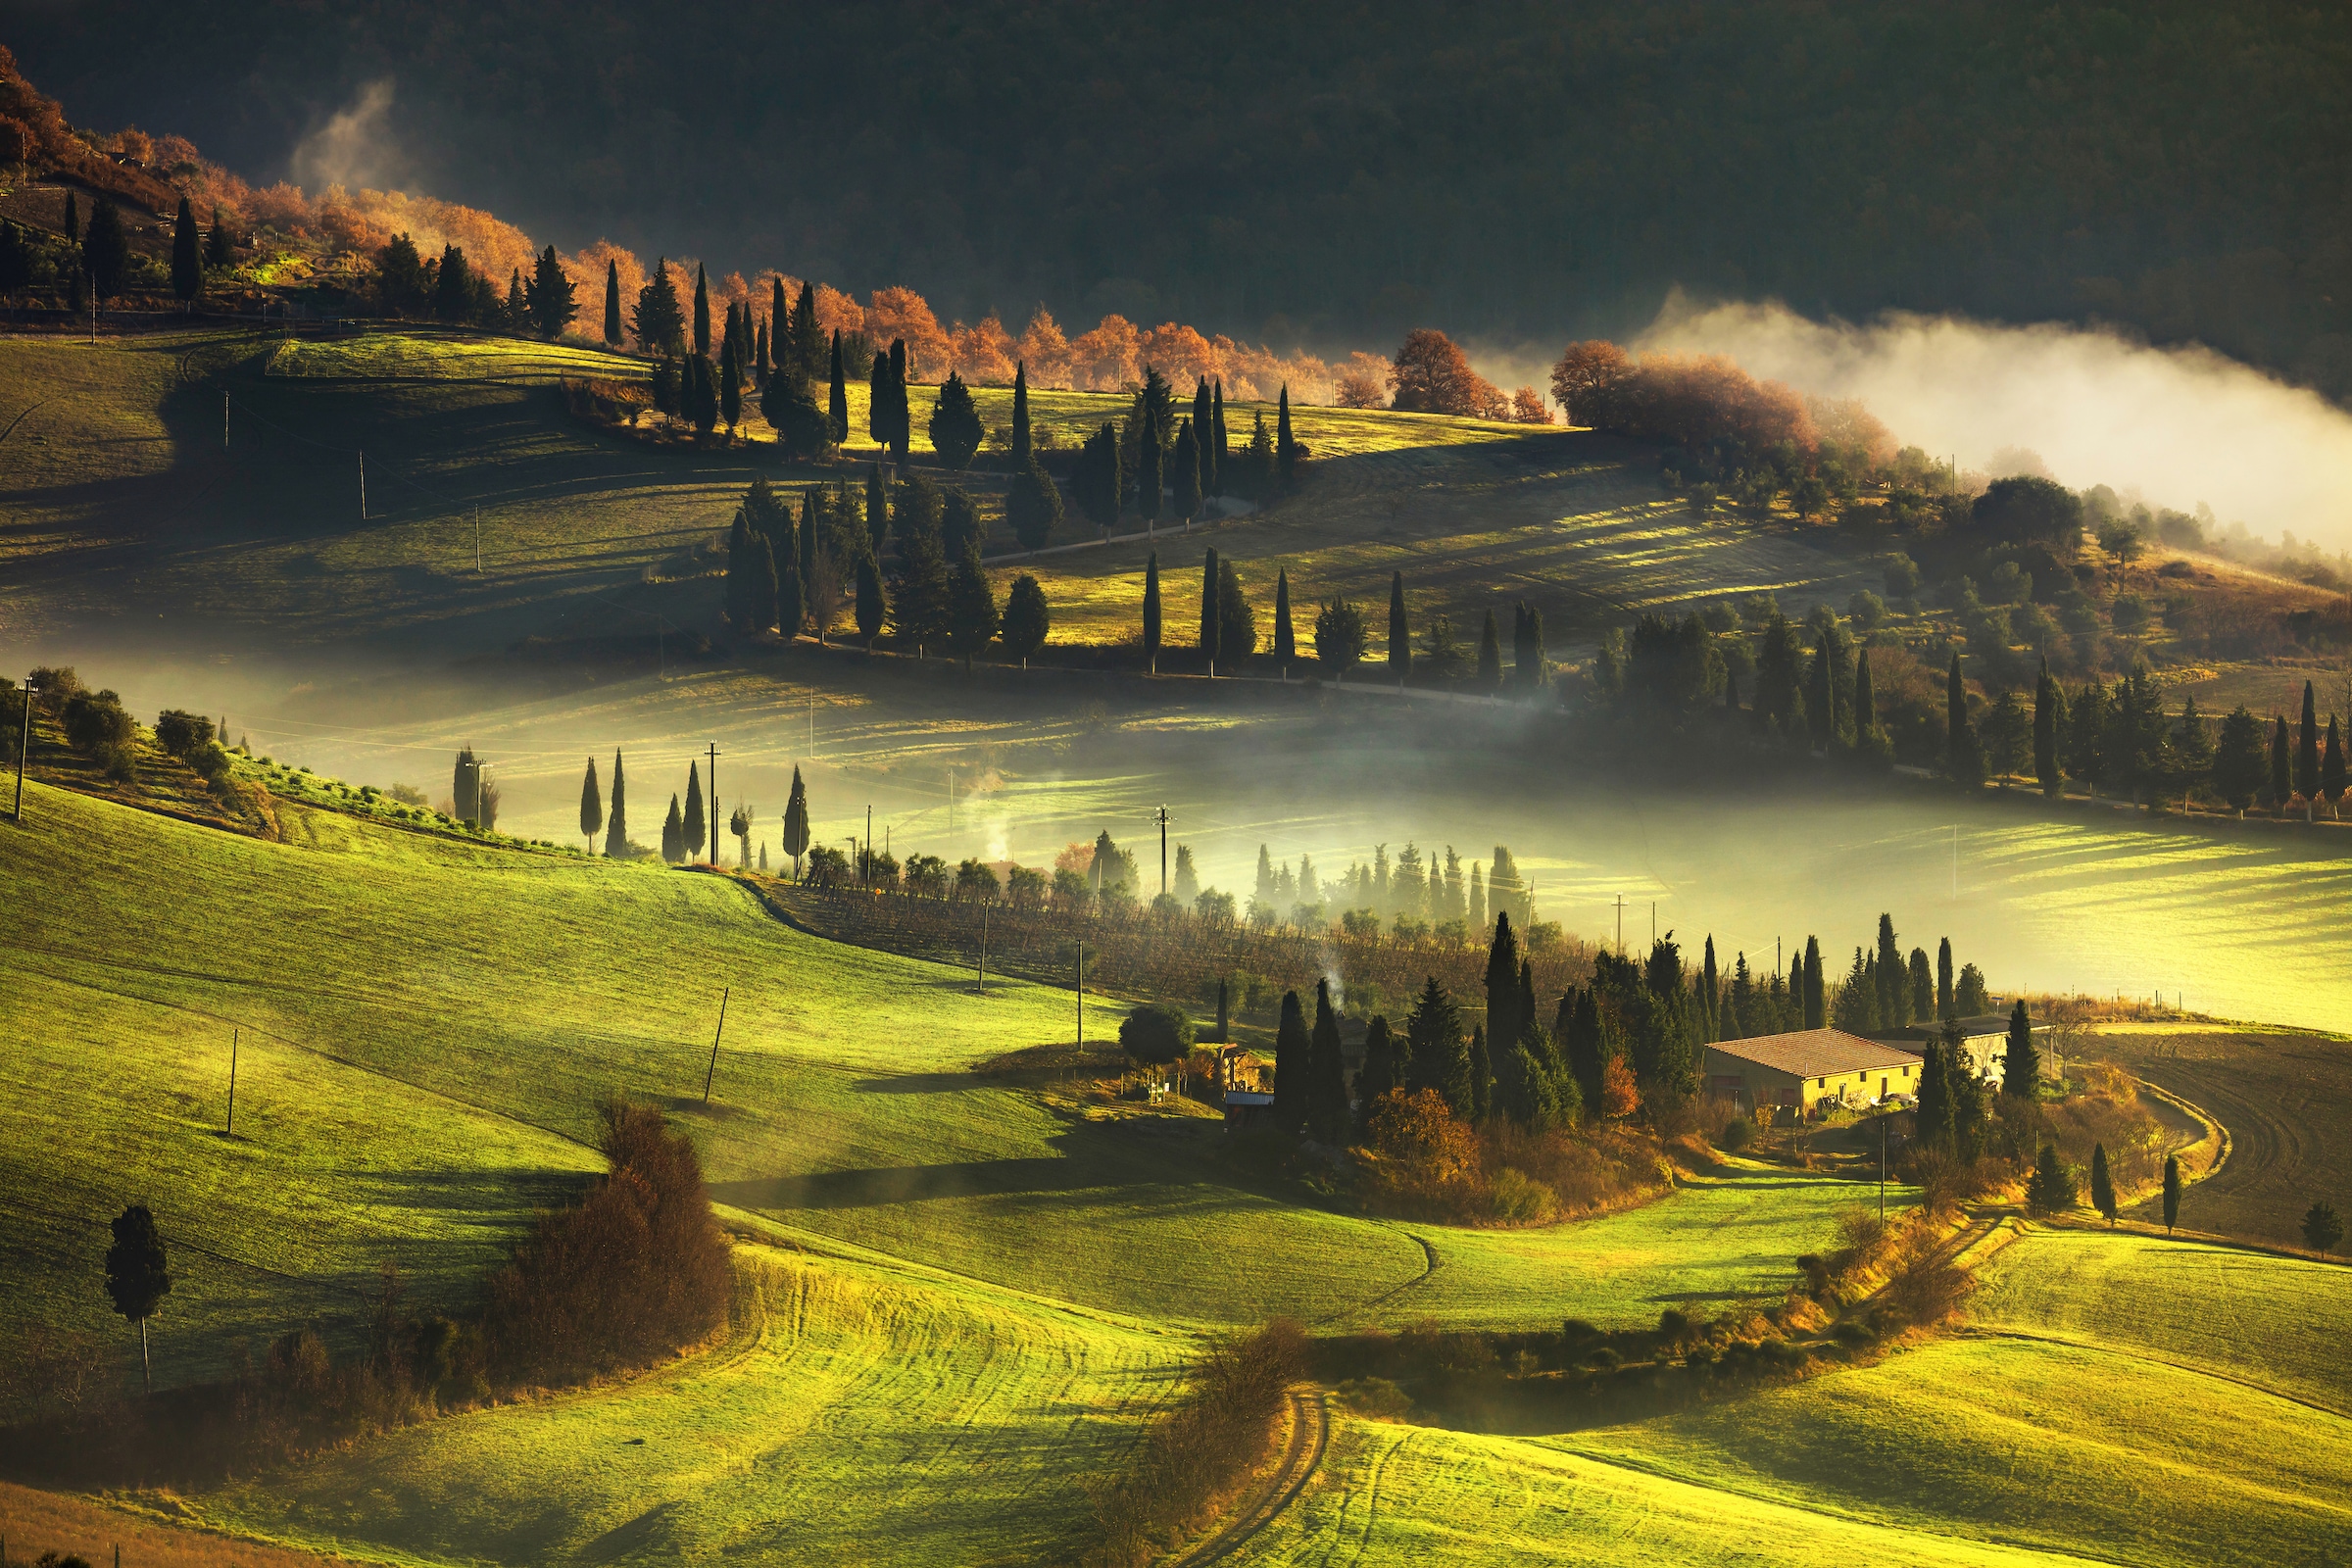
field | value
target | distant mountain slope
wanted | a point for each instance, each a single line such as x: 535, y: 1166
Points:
x: 1513, y: 172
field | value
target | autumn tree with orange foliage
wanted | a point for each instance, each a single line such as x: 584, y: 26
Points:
x: 1620, y: 1096
x: 1419, y: 1157
x: 1429, y: 375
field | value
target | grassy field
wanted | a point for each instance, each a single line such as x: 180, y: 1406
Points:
x: 2110, y: 1398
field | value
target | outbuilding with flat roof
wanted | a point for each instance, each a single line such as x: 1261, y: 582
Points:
x: 1809, y: 1067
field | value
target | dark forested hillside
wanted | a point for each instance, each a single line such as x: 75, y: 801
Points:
x: 1508, y: 171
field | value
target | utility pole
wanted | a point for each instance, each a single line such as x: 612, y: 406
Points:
x: 712, y: 1070
x: 1621, y: 925
x: 363, y: 486
x: 1163, y: 849
x: 231, y: 1131
x: 224, y: 422
x: 1955, y: 863
x: 868, y: 861
x: 951, y: 802
x: 984, y: 949
x: 23, y: 745
x: 713, y: 813
x: 1082, y: 995
x: 478, y: 541
x: 1882, y: 1118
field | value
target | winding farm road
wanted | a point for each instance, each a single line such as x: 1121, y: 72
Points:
x: 1311, y: 1430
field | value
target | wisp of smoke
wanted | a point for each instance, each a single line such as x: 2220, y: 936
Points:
x: 2179, y: 425
x: 354, y: 148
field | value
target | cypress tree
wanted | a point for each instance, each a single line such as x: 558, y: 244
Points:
x: 761, y: 364
x: 2046, y: 702
x: 1033, y: 506
x: 1294, y: 1052
x: 807, y: 349
x: 1219, y: 448
x: 550, y: 296
x: 2049, y: 1190
x: 1527, y: 648
x: 792, y: 594
x: 613, y: 302
x: 1965, y: 757
x: 877, y: 399
x: 693, y: 841
x: 1710, y: 994
x: 1400, y: 647
x: 105, y: 250
x: 702, y: 310
x: 1821, y: 703
x: 1816, y: 1010
x: 1285, y: 641
x: 1505, y: 1024
x: 902, y: 416
x: 2331, y: 768
x: 730, y: 382
x: 877, y: 508
x: 1209, y: 619
x: 1152, y: 613
x: 1866, y: 700
x: 73, y: 221
x: 1436, y: 1056
x: 1490, y: 656
x: 2020, y: 1062
x: 740, y: 604
x: 1204, y: 411
x: 1327, y: 1074
x: 219, y: 246
x: 1188, y: 474
x: 1020, y: 415
x: 1894, y: 988
x: 2102, y: 1184
x: 673, y: 835
x: 1935, y: 1111
x: 2282, y: 784
x: 1379, y: 1074
x: 1944, y: 979
x: 1151, y: 474
x: 2307, y: 750
x: 796, y: 822
x: 187, y: 261
x: 972, y: 613
x: 2172, y: 1192
x: 836, y: 404
x: 1286, y: 450
x: 617, y: 825
x: 1922, y: 987
x: 869, y: 600
x: 592, y: 808
x: 1482, y: 1077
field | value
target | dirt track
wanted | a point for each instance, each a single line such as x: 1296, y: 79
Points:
x: 2287, y: 1100
x: 1311, y: 1429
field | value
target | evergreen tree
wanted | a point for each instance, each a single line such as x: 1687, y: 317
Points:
x: 805, y: 353
x: 2048, y: 713
x: 2323, y: 1227
x: 743, y: 604
x: 1490, y: 656
x: 1482, y: 1077
x: 1944, y: 979
x: 701, y: 393
x: 658, y: 323
x: 1286, y: 450
x: 613, y: 302
x: 693, y: 840
x: 1152, y: 613
x: 105, y: 250
x: 453, y: 286
x: 1821, y: 700
x: 1237, y: 623
x: 2102, y: 1186
x: 2307, y: 750
x: 1020, y: 414
x: 72, y: 222
x: 1933, y: 1115
x: 1381, y: 1072
x: 2020, y: 1062
x: 1210, y: 620
x: 1286, y: 640
x: 592, y: 808
x: 792, y: 594
x: 2282, y: 783
x: 1027, y: 620
x: 954, y: 425
x: 220, y: 245
x: 1294, y: 1052
x: 796, y: 822
x: 15, y: 260
x: 762, y: 365
x: 1438, y: 1055
x: 515, y: 312
x: 1033, y: 506
x: 673, y: 835
x: 869, y: 607
x: 902, y: 417
x: 1865, y: 699
x: 730, y: 384
x: 550, y: 295
x: 1964, y: 761
x: 920, y: 585
x: 972, y: 605
x: 2238, y: 766
x: 1151, y: 476
x: 2172, y: 1192
x: 1922, y: 987
x: 877, y: 402
x: 1327, y: 1115
x: 1205, y: 413
x: 1505, y: 1024
x: 1894, y: 988
x: 1815, y: 1002
x: 701, y: 311
x: 2332, y: 768
x: 138, y: 1274
x: 1527, y: 648
x: 1400, y: 635
x: 617, y: 825
x: 836, y: 398
x: 1188, y: 474
x: 809, y: 532
x: 2050, y: 1190
x: 1100, y: 479
x: 187, y: 261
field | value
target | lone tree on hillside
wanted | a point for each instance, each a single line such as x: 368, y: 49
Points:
x: 692, y: 841
x: 2102, y: 1184
x: 611, y: 303
x: 138, y: 1276
x: 2172, y: 1192
x: 796, y: 821
x: 592, y: 808
x: 2322, y: 1228
x: 2050, y: 1190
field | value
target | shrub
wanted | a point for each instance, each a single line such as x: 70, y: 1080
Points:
x: 1156, y: 1031
x: 1420, y: 1159
x: 182, y: 734
x: 1519, y: 1200
x: 2050, y: 1190
x: 2322, y: 1228
x: 1737, y: 1134
x: 1376, y: 1400
x: 96, y: 725
x: 1867, y: 609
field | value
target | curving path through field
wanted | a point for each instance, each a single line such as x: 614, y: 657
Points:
x: 1311, y: 1435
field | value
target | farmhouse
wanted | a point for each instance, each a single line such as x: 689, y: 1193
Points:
x: 1246, y: 1107
x: 1983, y: 1042
x: 1809, y: 1068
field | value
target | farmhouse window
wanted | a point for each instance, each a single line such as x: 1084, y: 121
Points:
x: 1821, y: 1083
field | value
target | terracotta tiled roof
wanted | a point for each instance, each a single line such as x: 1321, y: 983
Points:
x: 1816, y: 1053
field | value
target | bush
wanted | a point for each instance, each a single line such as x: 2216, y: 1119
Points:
x: 1867, y: 609
x: 1519, y: 1200
x: 182, y: 734
x: 96, y: 725
x: 1737, y: 1134
x: 1156, y: 1031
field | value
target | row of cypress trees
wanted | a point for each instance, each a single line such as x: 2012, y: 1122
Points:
x: 683, y: 830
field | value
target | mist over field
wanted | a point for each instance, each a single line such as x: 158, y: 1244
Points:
x: 2178, y: 425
